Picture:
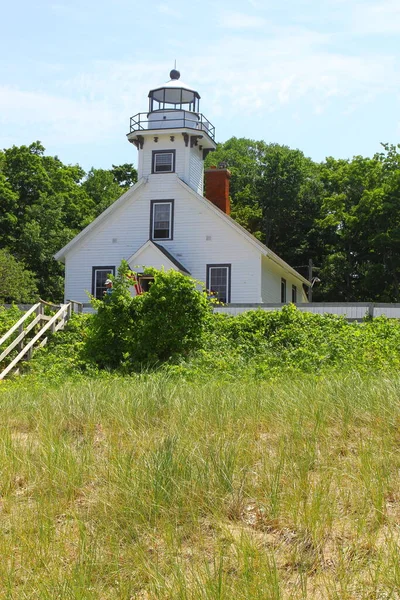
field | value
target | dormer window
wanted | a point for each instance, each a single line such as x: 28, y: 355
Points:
x: 163, y: 161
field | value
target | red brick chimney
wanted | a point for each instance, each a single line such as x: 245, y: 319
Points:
x: 217, y: 188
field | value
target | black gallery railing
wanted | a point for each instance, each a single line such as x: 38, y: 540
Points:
x: 168, y: 120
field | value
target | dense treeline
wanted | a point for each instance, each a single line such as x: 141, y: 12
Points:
x: 342, y: 214
x: 43, y: 205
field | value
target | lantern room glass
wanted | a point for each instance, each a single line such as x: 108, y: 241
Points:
x: 174, y: 99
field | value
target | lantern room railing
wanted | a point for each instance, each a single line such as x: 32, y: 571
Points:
x: 171, y: 120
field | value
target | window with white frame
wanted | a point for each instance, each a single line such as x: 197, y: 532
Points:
x: 283, y: 290
x: 163, y: 161
x: 219, y: 281
x: 99, y: 278
x: 294, y: 294
x: 161, y: 219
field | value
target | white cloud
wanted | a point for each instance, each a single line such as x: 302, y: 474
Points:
x: 237, y: 76
x: 255, y: 75
x: 58, y: 118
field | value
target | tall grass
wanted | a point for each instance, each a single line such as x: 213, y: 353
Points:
x: 152, y: 489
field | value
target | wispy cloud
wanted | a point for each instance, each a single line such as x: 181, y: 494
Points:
x: 55, y: 116
x: 237, y: 76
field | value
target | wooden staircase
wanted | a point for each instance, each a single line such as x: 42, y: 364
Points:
x: 44, y: 324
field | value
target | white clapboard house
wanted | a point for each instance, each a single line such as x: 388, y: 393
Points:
x: 166, y: 220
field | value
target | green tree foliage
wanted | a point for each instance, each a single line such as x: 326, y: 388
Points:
x: 44, y: 204
x: 125, y: 175
x: 17, y: 284
x: 166, y: 321
x: 104, y: 187
x: 343, y: 214
x: 276, y: 194
x: 360, y: 224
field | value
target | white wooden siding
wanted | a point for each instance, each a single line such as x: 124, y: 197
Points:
x: 200, y: 238
x: 271, y: 283
x: 189, y: 164
x: 196, y: 175
x: 164, y: 143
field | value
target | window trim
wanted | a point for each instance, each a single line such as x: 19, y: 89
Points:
x: 153, y: 161
x: 110, y: 270
x: 283, y: 290
x: 294, y: 294
x: 171, y: 232
x: 228, y: 267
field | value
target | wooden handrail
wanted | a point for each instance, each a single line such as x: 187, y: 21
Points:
x: 64, y: 308
x: 79, y: 304
x: 49, y: 303
x: 75, y: 302
x: 22, y: 319
x: 20, y: 337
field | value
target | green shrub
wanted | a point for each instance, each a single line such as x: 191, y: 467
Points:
x: 64, y: 356
x: 8, y: 318
x: 166, y: 321
x: 172, y: 322
x: 266, y: 344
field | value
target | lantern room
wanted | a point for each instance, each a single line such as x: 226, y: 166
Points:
x: 173, y: 105
x: 174, y: 95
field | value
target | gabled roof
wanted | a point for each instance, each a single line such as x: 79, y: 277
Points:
x: 60, y: 255
x: 160, y: 250
x: 172, y: 258
x: 259, y: 245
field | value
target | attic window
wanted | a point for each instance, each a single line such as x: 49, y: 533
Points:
x: 161, y: 219
x: 163, y: 161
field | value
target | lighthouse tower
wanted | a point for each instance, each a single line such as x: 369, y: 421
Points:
x: 173, y: 136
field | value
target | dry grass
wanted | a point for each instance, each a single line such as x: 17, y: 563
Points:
x: 152, y: 490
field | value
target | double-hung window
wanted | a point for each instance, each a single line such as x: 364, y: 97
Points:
x: 283, y: 290
x: 294, y: 294
x: 219, y: 281
x: 163, y: 161
x: 161, y: 219
x: 99, y: 277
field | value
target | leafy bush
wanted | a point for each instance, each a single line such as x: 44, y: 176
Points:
x: 64, y: 355
x: 128, y: 334
x: 8, y: 318
x: 266, y: 344
x: 166, y: 321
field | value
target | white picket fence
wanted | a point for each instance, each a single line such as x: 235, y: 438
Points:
x: 352, y: 311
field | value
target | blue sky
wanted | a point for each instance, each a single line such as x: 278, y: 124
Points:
x: 322, y: 76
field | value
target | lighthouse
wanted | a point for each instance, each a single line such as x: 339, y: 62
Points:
x: 167, y: 221
x: 173, y: 136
